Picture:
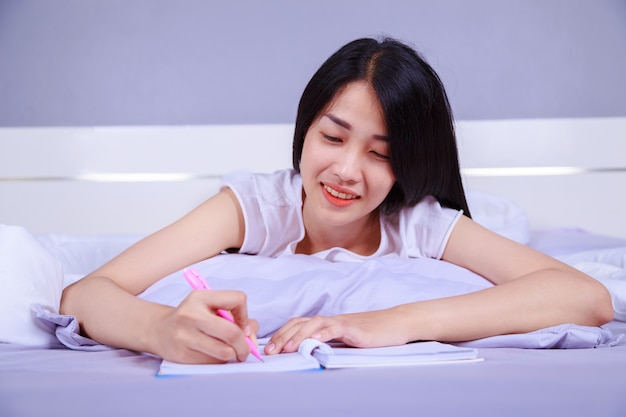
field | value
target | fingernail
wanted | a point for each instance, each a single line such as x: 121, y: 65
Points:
x: 317, y: 336
x: 270, y: 348
x: 288, y: 345
x: 247, y: 331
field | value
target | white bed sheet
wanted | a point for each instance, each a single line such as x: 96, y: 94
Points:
x: 510, y: 382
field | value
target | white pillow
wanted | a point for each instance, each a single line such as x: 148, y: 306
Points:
x: 80, y: 255
x: 28, y: 275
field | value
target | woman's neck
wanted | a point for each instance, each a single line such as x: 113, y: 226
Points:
x: 363, y: 239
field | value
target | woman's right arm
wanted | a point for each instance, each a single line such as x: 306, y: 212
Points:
x: 107, y: 309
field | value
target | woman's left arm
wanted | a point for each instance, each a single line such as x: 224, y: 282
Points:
x: 531, y: 291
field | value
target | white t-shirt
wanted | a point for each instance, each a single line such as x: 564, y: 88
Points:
x: 272, y: 211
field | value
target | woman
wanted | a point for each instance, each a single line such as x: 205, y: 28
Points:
x: 375, y: 173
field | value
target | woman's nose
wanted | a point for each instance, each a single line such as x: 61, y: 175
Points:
x: 348, y: 167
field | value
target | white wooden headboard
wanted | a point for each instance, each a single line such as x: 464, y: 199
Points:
x: 81, y: 180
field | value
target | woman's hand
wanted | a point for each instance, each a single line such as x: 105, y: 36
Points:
x: 194, y: 333
x: 370, y: 329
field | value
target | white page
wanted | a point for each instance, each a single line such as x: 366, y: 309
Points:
x: 409, y: 354
x: 271, y: 363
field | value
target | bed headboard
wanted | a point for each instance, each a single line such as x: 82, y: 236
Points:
x: 91, y: 180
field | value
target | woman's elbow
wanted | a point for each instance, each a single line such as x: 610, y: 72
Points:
x: 599, y: 304
x: 66, y: 306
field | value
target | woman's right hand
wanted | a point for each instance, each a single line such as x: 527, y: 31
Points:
x: 194, y: 333
x: 106, y: 305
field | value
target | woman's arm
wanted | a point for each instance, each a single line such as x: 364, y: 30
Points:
x: 108, y: 310
x: 532, y: 291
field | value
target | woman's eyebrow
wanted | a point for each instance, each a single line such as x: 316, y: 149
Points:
x: 339, y: 121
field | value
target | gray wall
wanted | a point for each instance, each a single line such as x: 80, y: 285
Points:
x: 138, y: 62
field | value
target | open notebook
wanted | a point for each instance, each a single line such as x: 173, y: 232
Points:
x: 313, y: 355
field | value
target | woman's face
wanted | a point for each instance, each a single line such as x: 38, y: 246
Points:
x: 345, y: 168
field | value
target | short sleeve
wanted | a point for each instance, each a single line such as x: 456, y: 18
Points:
x: 426, y: 228
x: 271, y: 206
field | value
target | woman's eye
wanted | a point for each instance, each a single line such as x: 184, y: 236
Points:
x: 380, y: 156
x: 331, y: 138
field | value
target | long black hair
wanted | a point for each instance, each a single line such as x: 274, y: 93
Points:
x: 422, y: 143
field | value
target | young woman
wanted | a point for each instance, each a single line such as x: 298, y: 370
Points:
x: 375, y: 173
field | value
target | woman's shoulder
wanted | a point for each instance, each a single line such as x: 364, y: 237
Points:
x: 280, y: 177
x: 271, y: 205
x: 428, y: 207
x: 422, y: 230
x: 279, y: 187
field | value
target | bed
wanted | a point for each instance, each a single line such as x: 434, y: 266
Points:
x: 72, y: 197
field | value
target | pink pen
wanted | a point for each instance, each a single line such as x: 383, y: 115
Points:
x: 198, y: 282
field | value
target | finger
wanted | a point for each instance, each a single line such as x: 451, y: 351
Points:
x: 251, y: 331
x: 239, y: 313
x: 319, y: 328
x: 236, y: 303
x: 284, y: 334
x: 191, y: 336
x: 233, y: 301
x: 232, y: 334
x: 209, y: 350
x: 221, y: 339
x: 292, y: 335
x: 254, y: 327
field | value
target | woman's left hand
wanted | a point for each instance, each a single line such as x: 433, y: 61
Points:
x: 370, y: 329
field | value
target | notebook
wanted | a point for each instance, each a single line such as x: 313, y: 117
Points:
x: 315, y: 355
